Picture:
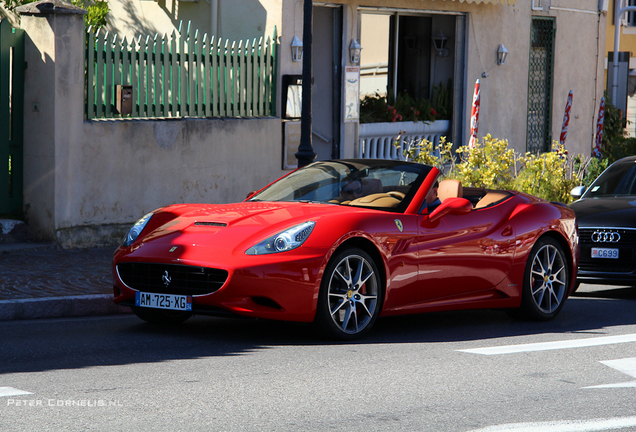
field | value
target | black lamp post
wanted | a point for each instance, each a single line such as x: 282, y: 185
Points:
x: 306, y: 154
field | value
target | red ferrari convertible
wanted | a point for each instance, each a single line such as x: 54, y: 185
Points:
x: 341, y: 243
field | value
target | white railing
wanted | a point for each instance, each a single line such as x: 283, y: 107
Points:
x: 377, y: 139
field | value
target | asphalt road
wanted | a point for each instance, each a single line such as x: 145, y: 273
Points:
x: 456, y: 371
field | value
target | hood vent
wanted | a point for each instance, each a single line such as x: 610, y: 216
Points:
x: 214, y: 224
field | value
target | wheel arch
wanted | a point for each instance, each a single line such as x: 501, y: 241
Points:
x: 562, y: 241
x: 372, y: 249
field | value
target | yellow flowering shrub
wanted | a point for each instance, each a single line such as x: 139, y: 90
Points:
x: 547, y: 175
x: 491, y: 164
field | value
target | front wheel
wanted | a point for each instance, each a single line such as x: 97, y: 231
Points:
x: 161, y: 316
x: 350, y: 295
x: 546, y: 281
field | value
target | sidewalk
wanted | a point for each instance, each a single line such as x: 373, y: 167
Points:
x: 38, y: 280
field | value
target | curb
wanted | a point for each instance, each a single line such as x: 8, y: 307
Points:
x: 60, y: 307
x: 13, y: 247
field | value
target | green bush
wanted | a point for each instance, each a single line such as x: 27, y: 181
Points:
x: 615, y: 144
x: 592, y: 170
x: 97, y: 12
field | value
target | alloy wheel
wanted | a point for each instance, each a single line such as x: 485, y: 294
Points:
x: 352, y: 294
x: 548, y: 278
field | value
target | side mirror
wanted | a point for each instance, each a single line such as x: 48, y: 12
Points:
x: 577, y: 192
x: 454, y: 206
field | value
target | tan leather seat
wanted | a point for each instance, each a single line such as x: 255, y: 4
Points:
x: 490, y: 198
x: 382, y: 200
x: 450, y: 189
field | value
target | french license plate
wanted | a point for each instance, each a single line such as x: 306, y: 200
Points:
x: 163, y: 301
x: 604, y: 253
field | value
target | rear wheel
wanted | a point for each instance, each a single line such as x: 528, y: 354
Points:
x: 350, y: 295
x: 161, y: 316
x: 546, y: 280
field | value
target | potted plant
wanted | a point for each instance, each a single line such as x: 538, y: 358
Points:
x: 383, y: 119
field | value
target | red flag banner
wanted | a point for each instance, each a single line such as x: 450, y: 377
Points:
x: 566, y: 120
x: 474, y: 116
x: 599, y: 130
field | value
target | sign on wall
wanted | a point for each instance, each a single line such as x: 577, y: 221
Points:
x: 291, y: 137
x: 352, y: 94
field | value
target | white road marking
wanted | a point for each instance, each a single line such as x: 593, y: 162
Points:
x: 627, y: 366
x: 564, y: 426
x: 10, y: 391
x: 556, y: 345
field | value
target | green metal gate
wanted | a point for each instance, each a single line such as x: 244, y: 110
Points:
x: 11, y: 112
x: 540, y: 77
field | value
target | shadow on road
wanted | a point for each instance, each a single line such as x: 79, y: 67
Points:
x: 31, y: 346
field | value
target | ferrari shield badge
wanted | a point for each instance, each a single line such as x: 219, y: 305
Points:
x: 172, y: 249
x: 399, y: 225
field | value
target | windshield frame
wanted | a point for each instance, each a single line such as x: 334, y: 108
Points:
x: 334, y: 171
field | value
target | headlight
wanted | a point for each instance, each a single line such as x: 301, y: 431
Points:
x: 287, y: 240
x: 137, y: 228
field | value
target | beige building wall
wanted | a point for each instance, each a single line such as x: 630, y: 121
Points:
x: 233, y: 20
x: 578, y: 62
x: 627, y: 42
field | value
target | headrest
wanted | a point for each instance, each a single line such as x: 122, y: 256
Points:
x: 450, y: 189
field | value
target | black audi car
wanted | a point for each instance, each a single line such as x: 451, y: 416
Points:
x: 606, y: 214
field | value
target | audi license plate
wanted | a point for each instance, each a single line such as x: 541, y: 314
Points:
x: 163, y: 301
x: 604, y: 253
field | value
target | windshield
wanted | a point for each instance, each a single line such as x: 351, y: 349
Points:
x: 618, y: 180
x: 380, y: 184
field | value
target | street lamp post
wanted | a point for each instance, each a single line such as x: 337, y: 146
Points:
x: 306, y: 154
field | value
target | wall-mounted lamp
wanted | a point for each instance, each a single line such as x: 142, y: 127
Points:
x: 354, y: 51
x: 297, y: 49
x: 440, y: 44
x: 502, y: 54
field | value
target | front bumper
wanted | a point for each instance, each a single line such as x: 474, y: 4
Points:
x: 621, y: 271
x: 281, y: 286
x: 604, y: 278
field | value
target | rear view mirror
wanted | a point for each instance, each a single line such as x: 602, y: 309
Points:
x: 577, y: 192
x: 454, y: 206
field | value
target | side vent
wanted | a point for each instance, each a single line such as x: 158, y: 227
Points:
x: 216, y: 224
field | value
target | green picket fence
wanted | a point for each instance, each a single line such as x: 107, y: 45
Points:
x: 181, y: 75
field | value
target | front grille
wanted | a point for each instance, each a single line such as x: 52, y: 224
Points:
x: 626, y: 246
x: 628, y: 236
x: 171, y: 278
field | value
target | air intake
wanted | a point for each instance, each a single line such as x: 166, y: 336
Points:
x: 215, y: 224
